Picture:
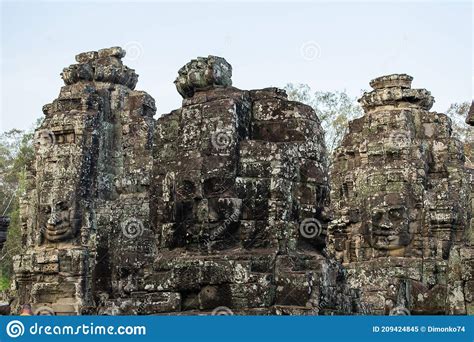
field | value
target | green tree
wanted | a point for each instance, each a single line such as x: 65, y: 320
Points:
x: 334, y: 109
x: 16, y: 152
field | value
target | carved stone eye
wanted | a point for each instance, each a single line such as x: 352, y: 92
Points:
x: 396, y: 213
x: 62, y: 205
x: 46, y: 209
x: 377, y: 216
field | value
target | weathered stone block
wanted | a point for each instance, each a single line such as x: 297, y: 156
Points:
x: 202, y: 73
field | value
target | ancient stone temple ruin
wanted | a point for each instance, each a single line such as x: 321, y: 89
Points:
x: 236, y: 175
x: 223, y: 206
x: 400, y: 193
x: 220, y: 203
x: 91, y: 176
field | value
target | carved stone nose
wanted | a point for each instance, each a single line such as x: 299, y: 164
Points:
x: 53, y: 219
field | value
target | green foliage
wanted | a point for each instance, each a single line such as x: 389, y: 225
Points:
x: 334, y: 109
x: 13, y: 244
x: 4, y: 282
x: 16, y: 152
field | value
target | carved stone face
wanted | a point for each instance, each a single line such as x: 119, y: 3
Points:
x: 389, y: 227
x: 57, y: 220
x: 58, y: 163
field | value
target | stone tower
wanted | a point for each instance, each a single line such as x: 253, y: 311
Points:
x: 88, y: 186
x: 238, y: 206
x: 400, y: 195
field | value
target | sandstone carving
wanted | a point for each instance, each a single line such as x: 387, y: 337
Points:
x: 93, y: 154
x: 400, y: 192
x: 223, y: 205
x: 203, y: 73
x: 239, y: 201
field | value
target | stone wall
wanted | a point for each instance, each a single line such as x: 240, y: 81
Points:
x: 223, y: 206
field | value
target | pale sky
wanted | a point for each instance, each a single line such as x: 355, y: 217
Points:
x: 268, y: 44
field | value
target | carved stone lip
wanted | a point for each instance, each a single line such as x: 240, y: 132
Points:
x: 57, y: 238
x: 385, y: 233
x: 387, y: 242
x: 52, y: 230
